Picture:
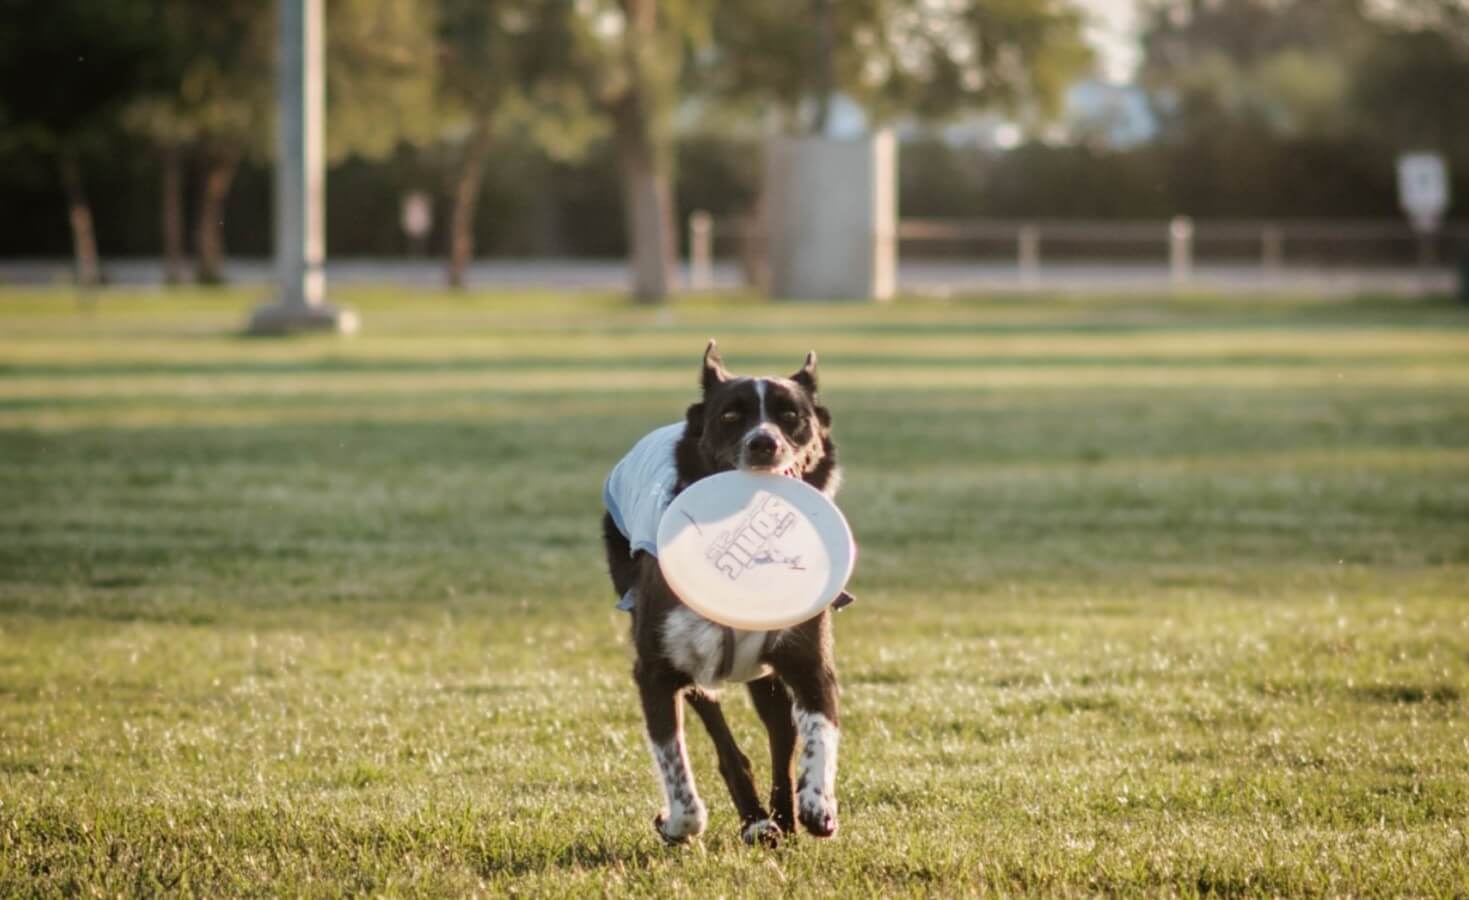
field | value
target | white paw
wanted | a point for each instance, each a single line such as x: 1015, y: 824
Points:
x: 816, y: 802
x: 682, y: 822
x: 817, y: 811
x: 764, y: 832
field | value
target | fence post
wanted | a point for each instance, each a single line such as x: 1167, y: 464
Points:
x: 701, y: 251
x: 1181, y: 249
x: 1272, y: 250
x: 1030, y: 255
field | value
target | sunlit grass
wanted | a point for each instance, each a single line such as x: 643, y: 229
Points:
x: 1156, y: 597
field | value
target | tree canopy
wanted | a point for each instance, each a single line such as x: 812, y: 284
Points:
x: 918, y: 59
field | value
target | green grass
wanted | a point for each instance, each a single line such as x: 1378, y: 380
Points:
x: 1157, y: 597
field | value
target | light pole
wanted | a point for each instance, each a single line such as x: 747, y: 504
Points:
x: 300, y: 180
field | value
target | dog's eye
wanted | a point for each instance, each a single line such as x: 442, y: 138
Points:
x: 790, y: 415
x: 730, y: 416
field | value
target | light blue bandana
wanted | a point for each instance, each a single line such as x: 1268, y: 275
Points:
x: 640, y: 488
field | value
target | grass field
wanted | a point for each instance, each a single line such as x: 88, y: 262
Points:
x: 1156, y: 597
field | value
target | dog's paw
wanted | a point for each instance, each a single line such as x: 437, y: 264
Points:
x: 764, y: 832
x: 817, y: 811
x: 682, y: 823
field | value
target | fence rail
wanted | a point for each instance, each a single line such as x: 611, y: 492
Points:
x: 1178, y: 239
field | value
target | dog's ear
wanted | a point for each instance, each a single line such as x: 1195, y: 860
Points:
x: 806, y: 378
x: 714, y: 373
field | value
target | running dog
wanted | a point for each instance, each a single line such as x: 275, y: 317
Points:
x: 769, y: 425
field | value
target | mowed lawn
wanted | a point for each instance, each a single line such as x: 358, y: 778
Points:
x: 1156, y: 597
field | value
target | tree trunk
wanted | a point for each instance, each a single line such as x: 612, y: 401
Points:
x: 647, y: 202
x: 754, y: 255
x: 644, y: 159
x: 79, y: 214
x: 173, y: 213
x: 219, y: 173
x: 823, y: 65
x: 466, y: 200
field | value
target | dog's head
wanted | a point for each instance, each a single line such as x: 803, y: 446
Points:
x: 774, y: 425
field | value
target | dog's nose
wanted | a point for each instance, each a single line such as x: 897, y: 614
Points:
x: 761, y: 446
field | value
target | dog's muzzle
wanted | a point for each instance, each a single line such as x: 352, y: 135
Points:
x: 765, y: 450
x: 761, y: 449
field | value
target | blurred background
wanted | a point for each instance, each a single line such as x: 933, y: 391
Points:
x: 1158, y: 460
x: 1042, y: 144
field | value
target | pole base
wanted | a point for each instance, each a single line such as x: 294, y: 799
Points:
x: 289, y: 318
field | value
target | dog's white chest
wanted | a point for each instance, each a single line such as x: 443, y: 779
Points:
x: 696, y: 647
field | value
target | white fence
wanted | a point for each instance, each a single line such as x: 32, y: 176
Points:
x: 1262, y: 253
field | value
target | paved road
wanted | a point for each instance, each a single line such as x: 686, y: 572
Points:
x: 915, y: 276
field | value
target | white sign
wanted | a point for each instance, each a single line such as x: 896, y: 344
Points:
x: 1423, y: 189
x: 418, y: 214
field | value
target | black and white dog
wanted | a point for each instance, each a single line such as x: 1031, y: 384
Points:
x: 758, y: 424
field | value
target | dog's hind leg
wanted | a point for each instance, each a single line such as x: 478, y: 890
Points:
x: 735, y: 767
x: 683, y: 816
x: 773, y: 703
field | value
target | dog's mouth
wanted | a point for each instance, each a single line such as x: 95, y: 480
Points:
x: 794, y: 465
x: 791, y: 469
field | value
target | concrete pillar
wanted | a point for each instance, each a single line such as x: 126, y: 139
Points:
x: 300, y: 179
x: 831, y: 221
x: 1272, y: 250
x: 1181, y: 250
x: 1030, y: 255
x: 701, y: 251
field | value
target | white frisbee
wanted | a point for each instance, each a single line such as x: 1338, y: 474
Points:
x: 755, y: 552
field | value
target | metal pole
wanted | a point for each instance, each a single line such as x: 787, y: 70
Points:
x: 298, y: 221
x: 701, y: 251
x: 300, y: 178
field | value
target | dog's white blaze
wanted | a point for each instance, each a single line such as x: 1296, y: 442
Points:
x: 685, y: 814
x: 695, y: 646
x: 816, y: 800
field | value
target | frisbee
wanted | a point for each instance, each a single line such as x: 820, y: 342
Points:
x: 755, y: 552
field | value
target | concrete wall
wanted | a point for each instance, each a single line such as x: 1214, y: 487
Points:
x: 832, y: 207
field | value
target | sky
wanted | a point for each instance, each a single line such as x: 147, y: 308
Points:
x: 1113, y: 32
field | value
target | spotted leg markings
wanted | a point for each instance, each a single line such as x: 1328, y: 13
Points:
x: 816, y: 800
x: 764, y: 832
x: 683, y: 816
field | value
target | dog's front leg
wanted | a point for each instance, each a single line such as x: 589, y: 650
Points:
x: 813, y: 686
x: 773, y: 703
x: 683, y: 816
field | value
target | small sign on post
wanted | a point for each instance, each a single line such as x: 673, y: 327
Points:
x: 1423, y: 191
x: 417, y: 219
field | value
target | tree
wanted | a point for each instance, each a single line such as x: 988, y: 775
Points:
x: 211, y: 103
x: 629, y: 56
x: 1387, y: 76
x: 69, y: 68
x: 1409, y: 89
x: 216, y: 98
x: 501, y: 69
x: 894, y: 58
x: 1275, y: 67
